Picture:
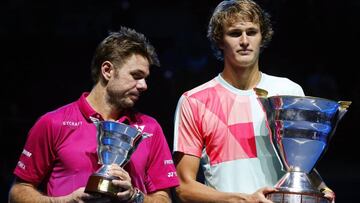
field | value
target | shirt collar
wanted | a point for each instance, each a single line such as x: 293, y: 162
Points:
x: 87, y: 111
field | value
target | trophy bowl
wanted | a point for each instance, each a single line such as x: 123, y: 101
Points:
x: 301, y: 128
x: 116, y: 143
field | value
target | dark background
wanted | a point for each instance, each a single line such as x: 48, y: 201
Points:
x: 47, y: 47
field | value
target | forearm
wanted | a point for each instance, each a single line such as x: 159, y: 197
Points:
x: 197, y: 192
x: 158, y: 198
x: 192, y: 191
x: 25, y: 193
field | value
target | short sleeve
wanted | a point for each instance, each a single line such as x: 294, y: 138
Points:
x: 160, y: 168
x: 187, y: 135
x: 37, y: 156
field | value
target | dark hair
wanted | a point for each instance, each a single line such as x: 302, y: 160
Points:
x: 230, y: 11
x: 119, y: 46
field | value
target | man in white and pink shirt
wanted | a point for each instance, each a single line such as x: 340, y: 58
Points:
x: 220, y: 125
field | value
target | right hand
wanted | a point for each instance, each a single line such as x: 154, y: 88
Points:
x: 79, y: 196
x: 259, y: 195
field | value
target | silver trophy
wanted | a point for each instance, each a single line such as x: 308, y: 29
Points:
x: 116, y: 143
x: 301, y: 129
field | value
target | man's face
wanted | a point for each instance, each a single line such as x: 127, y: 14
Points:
x: 241, y: 44
x: 128, y: 81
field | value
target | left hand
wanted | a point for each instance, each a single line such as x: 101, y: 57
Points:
x: 329, y: 194
x: 124, y: 182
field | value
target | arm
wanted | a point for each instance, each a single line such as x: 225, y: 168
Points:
x: 26, y: 192
x: 192, y: 191
x: 161, y: 196
x: 129, y: 193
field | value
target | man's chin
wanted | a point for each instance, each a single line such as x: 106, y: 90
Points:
x: 129, y: 104
x: 126, y: 105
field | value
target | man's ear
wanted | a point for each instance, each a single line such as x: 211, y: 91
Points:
x: 106, y: 69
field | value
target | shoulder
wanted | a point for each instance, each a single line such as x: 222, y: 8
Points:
x: 49, y: 125
x: 58, y: 115
x: 276, y: 85
x: 207, y: 86
x: 272, y: 78
x: 144, y: 118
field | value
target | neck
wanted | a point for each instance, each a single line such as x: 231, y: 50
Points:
x: 98, y: 101
x: 243, y: 78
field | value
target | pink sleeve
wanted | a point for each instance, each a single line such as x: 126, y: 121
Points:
x: 187, y: 132
x: 161, y: 170
x: 37, y: 155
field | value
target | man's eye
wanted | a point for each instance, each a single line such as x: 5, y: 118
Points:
x: 137, y: 76
x: 234, y: 34
x: 251, y: 32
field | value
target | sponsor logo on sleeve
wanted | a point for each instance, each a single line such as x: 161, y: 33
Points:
x: 171, y: 174
x: 21, y: 165
x: 169, y: 161
x: 26, y: 153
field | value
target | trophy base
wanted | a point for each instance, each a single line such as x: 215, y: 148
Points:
x: 98, y: 184
x: 292, y: 197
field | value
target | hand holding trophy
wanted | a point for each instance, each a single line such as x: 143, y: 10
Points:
x: 301, y: 129
x: 116, y: 143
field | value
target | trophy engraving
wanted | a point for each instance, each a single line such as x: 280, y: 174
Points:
x: 116, y: 143
x: 301, y: 129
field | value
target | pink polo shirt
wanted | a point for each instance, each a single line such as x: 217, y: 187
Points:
x: 60, y: 152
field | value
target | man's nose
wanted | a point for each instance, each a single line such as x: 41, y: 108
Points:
x: 244, y: 41
x: 141, y: 85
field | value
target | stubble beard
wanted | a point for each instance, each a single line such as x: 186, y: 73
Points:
x: 119, y: 100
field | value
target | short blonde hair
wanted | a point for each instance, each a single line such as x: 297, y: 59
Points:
x: 230, y: 11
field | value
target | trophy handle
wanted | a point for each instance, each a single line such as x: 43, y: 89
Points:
x: 342, y: 109
x: 138, y: 139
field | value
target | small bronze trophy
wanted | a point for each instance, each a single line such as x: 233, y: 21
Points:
x: 116, y: 143
x: 301, y: 129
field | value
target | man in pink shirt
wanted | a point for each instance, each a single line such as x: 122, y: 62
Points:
x: 60, y: 151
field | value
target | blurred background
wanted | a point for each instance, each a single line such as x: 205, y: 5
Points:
x: 47, y: 48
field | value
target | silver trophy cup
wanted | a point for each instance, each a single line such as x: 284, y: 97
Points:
x: 301, y: 129
x: 116, y: 143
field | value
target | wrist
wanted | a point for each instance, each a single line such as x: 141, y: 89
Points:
x: 136, y: 197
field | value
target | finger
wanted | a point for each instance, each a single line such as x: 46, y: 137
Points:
x: 267, y: 190
x: 80, y: 194
x: 86, y: 196
x: 116, y: 167
x: 267, y: 201
x: 119, y: 175
x: 330, y: 196
x: 99, y: 200
x: 126, y: 184
x: 119, y: 172
x: 124, y: 195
